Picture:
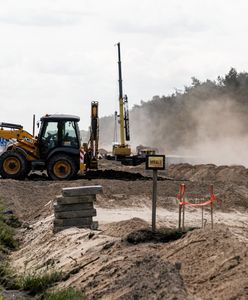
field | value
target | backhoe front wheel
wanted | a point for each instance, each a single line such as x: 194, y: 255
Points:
x: 13, y: 165
x: 61, y: 167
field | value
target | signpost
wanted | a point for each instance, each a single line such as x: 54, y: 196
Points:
x: 155, y: 163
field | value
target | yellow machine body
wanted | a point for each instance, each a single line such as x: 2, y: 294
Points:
x: 24, y: 140
x: 121, y: 150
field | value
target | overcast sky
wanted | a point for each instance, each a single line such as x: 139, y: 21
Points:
x: 57, y: 56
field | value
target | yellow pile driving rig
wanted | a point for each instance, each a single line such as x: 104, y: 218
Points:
x: 122, y: 151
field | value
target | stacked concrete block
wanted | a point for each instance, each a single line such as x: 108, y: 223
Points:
x: 75, y: 208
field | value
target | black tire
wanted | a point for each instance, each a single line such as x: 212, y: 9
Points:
x: 13, y: 165
x: 61, y: 167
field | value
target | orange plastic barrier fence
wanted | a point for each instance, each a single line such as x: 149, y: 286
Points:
x: 181, y: 194
x: 182, y: 203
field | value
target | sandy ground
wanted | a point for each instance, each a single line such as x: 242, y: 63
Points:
x: 204, y: 264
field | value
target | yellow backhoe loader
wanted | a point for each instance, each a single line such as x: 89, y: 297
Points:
x: 57, y: 149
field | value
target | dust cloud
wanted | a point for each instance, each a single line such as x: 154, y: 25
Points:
x: 221, y: 134
x: 206, y: 123
x: 211, y: 131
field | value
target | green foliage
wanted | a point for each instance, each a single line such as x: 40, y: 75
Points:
x: 7, y: 242
x: 7, y: 236
x: 4, y: 270
x: 38, y: 283
x: 7, y: 279
x: 231, y: 79
x: 66, y: 294
x: 12, y: 221
x: 195, y: 81
x: 6, y: 232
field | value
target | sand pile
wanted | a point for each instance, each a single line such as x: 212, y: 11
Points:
x: 144, y: 277
x: 204, y: 264
x: 123, y: 228
x: 214, y: 263
x: 209, y: 173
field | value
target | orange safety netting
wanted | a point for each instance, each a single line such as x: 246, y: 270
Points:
x: 181, y: 196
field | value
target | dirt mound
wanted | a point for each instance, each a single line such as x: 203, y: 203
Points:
x: 205, y: 264
x: 234, y: 196
x: 236, y: 174
x: 123, y: 228
x: 163, y: 235
x: 214, y: 263
x: 160, y: 280
x: 209, y: 173
x: 97, y: 174
x: 115, y: 174
x: 29, y: 199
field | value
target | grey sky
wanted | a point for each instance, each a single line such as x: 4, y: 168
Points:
x: 57, y: 56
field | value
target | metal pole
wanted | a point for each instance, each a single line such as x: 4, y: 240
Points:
x: 181, y: 192
x: 154, y: 199
x: 121, y: 101
x: 212, y: 207
x: 119, y: 70
x: 179, y: 217
x: 212, y: 217
x: 33, y: 125
x: 183, y: 213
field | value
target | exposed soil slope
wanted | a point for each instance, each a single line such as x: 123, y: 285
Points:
x: 204, y: 264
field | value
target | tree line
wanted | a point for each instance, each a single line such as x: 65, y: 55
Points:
x: 181, y: 119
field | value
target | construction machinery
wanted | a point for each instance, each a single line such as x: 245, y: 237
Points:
x: 122, y: 151
x: 57, y: 149
x: 143, y: 151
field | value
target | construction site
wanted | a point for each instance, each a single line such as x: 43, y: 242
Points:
x: 150, y: 202
x: 106, y: 225
x: 122, y: 259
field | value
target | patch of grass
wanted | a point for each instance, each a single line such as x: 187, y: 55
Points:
x: 6, y: 231
x: 7, y: 278
x: 7, y: 243
x: 38, y: 283
x: 7, y: 236
x: 4, y: 269
x: 66, y: 294
x: 12, y: 221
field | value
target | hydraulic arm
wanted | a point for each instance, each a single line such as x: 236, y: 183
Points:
x: 94, y: 135
x: 13, y: 131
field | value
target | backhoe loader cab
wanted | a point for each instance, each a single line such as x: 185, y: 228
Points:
x: 59, y: 146
x: 58, y: 133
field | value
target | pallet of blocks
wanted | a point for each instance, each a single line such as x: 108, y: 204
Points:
x: 75, y: 208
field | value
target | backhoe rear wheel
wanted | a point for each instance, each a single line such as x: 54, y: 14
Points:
x: 13, y: 165
x: 62, y: 167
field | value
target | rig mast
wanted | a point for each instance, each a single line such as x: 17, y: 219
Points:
x: 122, y: 149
